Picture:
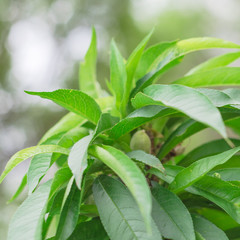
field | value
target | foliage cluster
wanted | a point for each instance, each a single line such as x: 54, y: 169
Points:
x: 121, y: 169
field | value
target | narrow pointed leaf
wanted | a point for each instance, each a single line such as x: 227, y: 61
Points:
x: 222, y: 76
x: 122, y: 218
x: 69, y: 139
x: 185, y: 130
x: 188, y: 101
x: 138, y: 118
x: 54, y: 210
x: 152, y: 76
x: 74, y: 101
x: 189, y: 128
x: 105, y: 123
x: 199, y: 168
x: 193, y: 44
x: 61, y: 177
x: 151, y: 57
x: 131, y: 67
x: 69, y: 214
x: 234, y: 93
x: 207, y: 149
x: 82, y: 231
x: 219, y: 218
x: 24, y: 154
x: 199, y: 236
x: 223, y: 194
x: 207, y: 229
x: 28, y: 220
x: 40, y: 163
x: 77, y: 159
x: 219, y: 61
x: 87, y: 73
x: 171, y: 216
x: 142, y: 100
x: 20, y: 189
x: 132, y: 62
x: 130, y: 174
x: 218, y: 98
x: 146, y: 158
x: 174, y: 54
x: 234, y: 125
x: 227, y: 174
x: 118, y: 74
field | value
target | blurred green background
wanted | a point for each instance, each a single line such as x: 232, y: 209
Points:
x: 42, y: 43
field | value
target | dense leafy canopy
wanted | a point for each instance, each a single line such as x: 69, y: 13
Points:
x: 122, y: 172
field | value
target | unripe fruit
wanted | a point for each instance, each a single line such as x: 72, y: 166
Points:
x: 141, y: 141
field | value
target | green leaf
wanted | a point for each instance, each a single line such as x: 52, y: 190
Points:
x: 130, y: 174
x: 83, y: 232
x: 199, y: 168
x: 234, y: 93
x: 20, y: 189
x: 218, y: 98
x: 69, y: 139
x: 170, y: 172
x: 151, y: 57
x: 28, y: 220
x: 146, y: 158
x: 223, y: 194
x: 188, y: 101
x: 150, y: 77
x: 227, y: 174
x: 219, y: 61
x: 233, y: 233
x: 171, y: 216
x: 77, y: 159
x: 187, y: 129
x: 69, y: 214
x: 53, y: 209
x: 199, y: 236
x: 87, y: 74
x: 183, y: 131
x: 89, y: 210
x: 131, y: 67
x: 218, y: 217
x: 133, y: 60
x: 193, y: 44
x: 207, y: 229
x: 61, y: 177
x: 174, y: 54
x: 74, y: 101
x: 234, y: 125
x: 105, y: 123
x: 118, y: 74
x: 138, y: 118
x: 207, y: 149
x: 68, y: 122
x: 121, y: 218
x: 106, y: 103
x: 222, y: 76
x: 40, y: 164
x: 26, y: 153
